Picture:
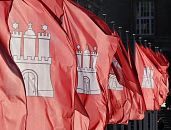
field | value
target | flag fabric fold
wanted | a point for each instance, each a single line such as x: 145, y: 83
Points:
x: 12, y: 94
x: 138, y: 105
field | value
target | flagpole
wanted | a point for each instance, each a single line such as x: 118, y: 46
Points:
x: 157, y: 49
x: 145, y: 43
x: 113, y: 25
x: 134, y: 41
x: 127, y: 39
x: 120, y: 31
x: 140, y: 40
x: 105, y: 17
x: 150, y: 45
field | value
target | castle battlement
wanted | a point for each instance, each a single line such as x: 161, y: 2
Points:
x: 44, y: 36
x: 32, y: 60
x: 30, y: 36
x: 16, y: 34
x: 86, y: 70
x: 86, y: 54
x: 94, y: 54
x: 79, y: 52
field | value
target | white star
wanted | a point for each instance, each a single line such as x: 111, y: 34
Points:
x: 15, y: 25
x: 44, y: 27
x: 78, y: 46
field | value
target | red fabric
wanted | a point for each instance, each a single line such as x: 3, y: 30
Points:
x: 150, y: 93
x: 138, y: 105
x: 119, y: 98
x: 162, y: 68
x: 54, y: 112
x: 130, y: 104
x: 165, y: 65
x: 99, y: 22
x: 12, y: 95
x: 83, y: 31
x: 130, y: 80
x: 55, y: 6
x: 80, y: 121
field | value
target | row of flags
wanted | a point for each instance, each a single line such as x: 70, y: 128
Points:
x: 62, y: 68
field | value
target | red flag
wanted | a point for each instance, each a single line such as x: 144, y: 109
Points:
x: 94, y: 51
x: 12, y: 95
x: 149, y: 78
x: 119, y: 96
x: 138, y: 105
x: 162, y: 68
x: 124, y: 76
x: 80, y: 114
x: 46, y: 59
x: 163, y: 58
x: 165, y: 65
x: 130, y: 80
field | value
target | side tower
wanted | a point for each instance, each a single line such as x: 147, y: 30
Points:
x: 15, y: 42
x: 44, y: 60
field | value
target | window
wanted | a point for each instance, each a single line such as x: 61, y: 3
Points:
x: 145, y: 17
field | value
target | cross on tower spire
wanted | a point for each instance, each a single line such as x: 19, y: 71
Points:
x: 30, y: 26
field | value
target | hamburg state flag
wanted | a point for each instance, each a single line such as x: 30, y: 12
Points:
x: 45, y: 57
x: 94, y: 50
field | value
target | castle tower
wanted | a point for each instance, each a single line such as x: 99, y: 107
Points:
x: 44, y: 45
x: 79, y: 57
x: 29, y: 42
x: 86, y: 58
x: 15, y: 45
x: 87, y: 79
x: 94, y: 58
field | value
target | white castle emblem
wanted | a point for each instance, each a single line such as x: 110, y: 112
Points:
x: 113, y: 82
x: 86, y: 67
x: 35, y: 68
x: 148, y: 81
